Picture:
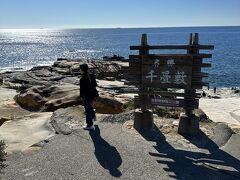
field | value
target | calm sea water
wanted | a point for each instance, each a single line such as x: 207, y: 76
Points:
x: 28, y: 48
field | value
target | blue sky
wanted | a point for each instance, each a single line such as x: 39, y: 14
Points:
x: 118, y: 13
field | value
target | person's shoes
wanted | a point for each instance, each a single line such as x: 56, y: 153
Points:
x: 88, y: 127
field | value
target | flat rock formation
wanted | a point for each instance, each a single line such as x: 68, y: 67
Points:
x: 225, y: 110
x: 21, y: 133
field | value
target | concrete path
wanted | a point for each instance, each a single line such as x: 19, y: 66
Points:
x: 112, y: 152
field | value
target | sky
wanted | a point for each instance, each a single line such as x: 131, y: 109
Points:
x: 22, y: 14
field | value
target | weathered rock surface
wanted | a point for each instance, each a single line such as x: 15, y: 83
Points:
x: 222, y: 134
x: 4, y: 119
x: 8, y: 107
x: 36, y: 76
x: 66, y: 71
x: 233, y: 146
x: 100, y: 68
x: 48, y: 88
x: 41, y: 98
x: 224, y: 110
x: 64, y: 121
x: 107, y: 104
x: 119, y: 118
x: 20, y: 134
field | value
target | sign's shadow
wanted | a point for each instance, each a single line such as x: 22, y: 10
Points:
x: 187, y: 164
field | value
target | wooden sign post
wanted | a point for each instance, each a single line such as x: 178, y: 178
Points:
x: 156, y: 74
x: 143, y: 118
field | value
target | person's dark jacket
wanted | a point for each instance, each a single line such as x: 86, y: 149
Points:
x: 88, y: 85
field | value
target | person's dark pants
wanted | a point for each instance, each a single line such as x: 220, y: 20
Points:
x: 90, y: 114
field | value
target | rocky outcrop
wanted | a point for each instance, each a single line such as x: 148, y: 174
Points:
x: 48, y: 88
x: 222, y: 133
x: 62, y: 71
x: 39, y: 76
x: 233, y: 145
x: 101, y: 69
x: 107, y: 104
x: 41, y: 98
x: 31, y: 99
x: 65, y: 120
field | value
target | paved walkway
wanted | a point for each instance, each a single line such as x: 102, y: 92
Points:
x: 112, y: 152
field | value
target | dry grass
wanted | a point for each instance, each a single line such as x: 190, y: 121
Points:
x: 168, y: 112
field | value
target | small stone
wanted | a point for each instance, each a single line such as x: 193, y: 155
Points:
x: 40, y: 144
x: 236, y: 91
x: 46, y: 140
x: 110, y: 78
x: 175, y: 123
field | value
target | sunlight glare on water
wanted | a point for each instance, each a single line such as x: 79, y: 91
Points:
x: 25, y: 48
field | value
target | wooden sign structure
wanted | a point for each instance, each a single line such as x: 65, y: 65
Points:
x: 155, y: 74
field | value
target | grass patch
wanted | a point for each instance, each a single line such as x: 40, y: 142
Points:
x: 128, y: 106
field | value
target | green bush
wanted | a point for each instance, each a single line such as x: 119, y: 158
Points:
x: 129, y: 105
x: 2, y: 153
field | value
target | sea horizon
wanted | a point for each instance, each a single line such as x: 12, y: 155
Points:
x: 26, y: 48
x: 147, y: 27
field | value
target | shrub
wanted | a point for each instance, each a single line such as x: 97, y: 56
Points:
x: 128, y: 106
x: 2, y: 154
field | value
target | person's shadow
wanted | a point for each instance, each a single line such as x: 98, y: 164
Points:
x: 107, y: 155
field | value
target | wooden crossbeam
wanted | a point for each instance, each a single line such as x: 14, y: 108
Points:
x: 195, y: 85
x: 169, y: 56
x: 137, y: 72
x: 166, y: 47
x: 162, y: 93
x: 137, y: 64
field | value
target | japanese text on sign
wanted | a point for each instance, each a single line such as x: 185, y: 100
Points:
x: 166, y: 77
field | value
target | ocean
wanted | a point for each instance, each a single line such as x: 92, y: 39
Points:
x: 25, y: 48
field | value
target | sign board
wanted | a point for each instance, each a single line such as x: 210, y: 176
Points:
x: 167, y: 73
x: 166, y: 77
x: 154, y: 73
x: 166, y: 102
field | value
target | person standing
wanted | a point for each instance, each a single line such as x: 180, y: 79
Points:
x: 214, y: 90
x: 88, y: 93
